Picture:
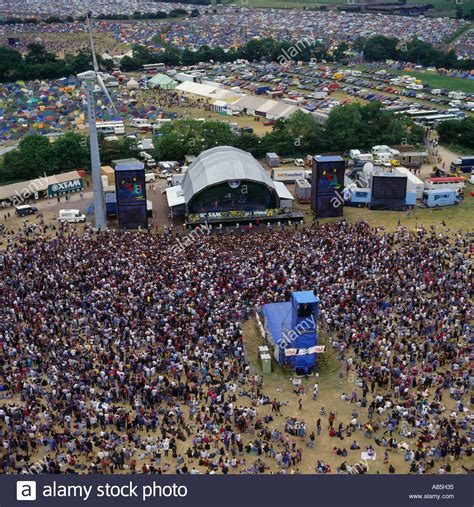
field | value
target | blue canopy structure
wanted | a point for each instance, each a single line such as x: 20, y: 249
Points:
x: 291, y: 328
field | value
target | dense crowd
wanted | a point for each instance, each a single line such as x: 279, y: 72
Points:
x: 228, y: 27
x: 117, y: 354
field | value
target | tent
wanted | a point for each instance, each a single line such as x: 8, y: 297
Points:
x: 162, y: 81
x: 132, y: 84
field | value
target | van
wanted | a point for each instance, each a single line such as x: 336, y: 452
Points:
x: 71, y: 216
x: 149, y: 177
x: 25, y: 210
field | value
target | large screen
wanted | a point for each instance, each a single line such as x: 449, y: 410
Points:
x: 389, y: 188
x: 130, y: 186
x: 327, y: 187
x: 131, y: 198
x: 329, y: 176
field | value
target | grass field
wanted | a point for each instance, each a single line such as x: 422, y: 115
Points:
x: 432, y: 79
x: 438, y: 81
x: 457, y: 218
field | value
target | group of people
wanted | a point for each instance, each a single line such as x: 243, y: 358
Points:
x: 116, y: 354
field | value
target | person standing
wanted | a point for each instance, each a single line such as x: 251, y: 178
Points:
x: 315, y: 391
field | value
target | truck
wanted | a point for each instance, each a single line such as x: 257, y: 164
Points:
x: 440, y: 197
x: 463, y: 164
x: 262, y: 89
x: 25, y: 210
x: 288, y: 174
x: 71, y: 216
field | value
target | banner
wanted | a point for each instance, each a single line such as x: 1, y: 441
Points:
x: 236, y: 490
x: 65, y: 187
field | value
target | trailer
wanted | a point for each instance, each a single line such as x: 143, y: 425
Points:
x: 441, y: 197
x: 303, y: 191
x: 463, y: 164
x: 357, y: 197
x: 272, y: 159
x: 288, y: 174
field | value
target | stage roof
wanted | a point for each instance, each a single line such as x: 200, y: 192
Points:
x: 221, y: 164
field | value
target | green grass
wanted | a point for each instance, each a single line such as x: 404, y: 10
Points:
x: 459, y: 217
x: 432, y: 79
x: 438, y: 81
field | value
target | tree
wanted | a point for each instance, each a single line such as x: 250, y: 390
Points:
x: 76, y: 147
x: 340, y: 52
x: 191, y: 137
x: 379, y: 48
x: 116, y: 150
x: 37, y: 54
x: 343, y: 128
x: 358, y: 126
x: 9, y: 61
x: 34, y: 157
x: 458, y: 132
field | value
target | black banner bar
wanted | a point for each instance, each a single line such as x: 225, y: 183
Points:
x: 241, y: 491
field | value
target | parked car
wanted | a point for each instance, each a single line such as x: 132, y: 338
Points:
x: 25, y: 210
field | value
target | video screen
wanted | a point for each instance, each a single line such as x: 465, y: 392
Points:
x: 131, y: 186
x: 389, y: 188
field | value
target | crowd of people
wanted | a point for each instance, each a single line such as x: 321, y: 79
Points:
x: 116, y: 354
x: 226, y: 27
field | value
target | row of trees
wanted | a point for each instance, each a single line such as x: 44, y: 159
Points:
x: 38, y: 156
x: 380, y: 48
x: 254, y: 50
x: 352, y: 126
x: 38, y: 63
x: 458, y: 133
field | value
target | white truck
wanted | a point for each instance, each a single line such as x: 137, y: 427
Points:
x: 71, y: 216
x: 288, y: 174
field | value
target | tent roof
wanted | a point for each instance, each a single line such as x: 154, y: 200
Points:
x: 175, y: 196
x: 222, y: 164
x: 161, y: 79
x: 282, y: 191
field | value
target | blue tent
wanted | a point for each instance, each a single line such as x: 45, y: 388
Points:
x: 292, y: 329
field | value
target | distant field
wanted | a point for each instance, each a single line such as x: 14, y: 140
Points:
x: 446, y: 82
